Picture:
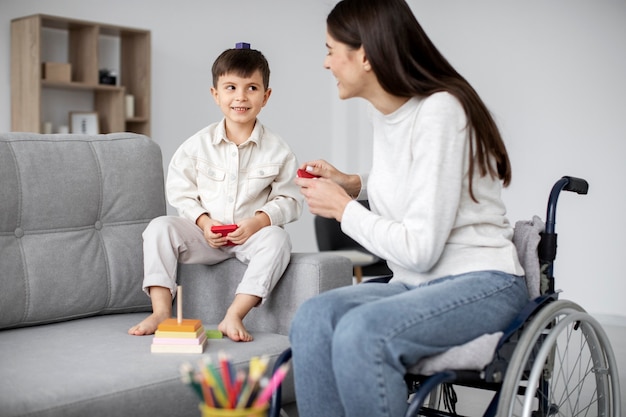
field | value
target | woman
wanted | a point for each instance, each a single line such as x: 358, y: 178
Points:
x: 436, y: 216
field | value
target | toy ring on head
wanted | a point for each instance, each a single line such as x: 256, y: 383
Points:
x: 242, y: 45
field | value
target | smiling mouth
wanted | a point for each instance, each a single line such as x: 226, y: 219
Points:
x: 239, y: 108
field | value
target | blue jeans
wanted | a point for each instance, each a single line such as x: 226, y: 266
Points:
x: 352, y: 345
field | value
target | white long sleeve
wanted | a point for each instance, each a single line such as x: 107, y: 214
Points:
x: 422, y: 219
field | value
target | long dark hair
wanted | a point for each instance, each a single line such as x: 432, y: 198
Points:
x: 407, y: 64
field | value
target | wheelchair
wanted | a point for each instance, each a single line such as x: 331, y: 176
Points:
x: 554, y: 359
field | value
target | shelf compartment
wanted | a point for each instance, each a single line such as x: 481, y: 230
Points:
x: 82, y: 42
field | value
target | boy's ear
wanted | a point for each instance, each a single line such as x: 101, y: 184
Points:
x: 266, y: 95
x: 215, y: 94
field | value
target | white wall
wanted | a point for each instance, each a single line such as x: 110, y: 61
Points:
x: 553, y: 75
x: 551, y: 72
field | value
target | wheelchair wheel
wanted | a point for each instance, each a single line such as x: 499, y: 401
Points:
x: 563, y: 365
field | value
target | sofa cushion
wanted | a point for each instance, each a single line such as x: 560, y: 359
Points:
x: 92, y: 367
x: 208, y: 293
x: 72, y: 210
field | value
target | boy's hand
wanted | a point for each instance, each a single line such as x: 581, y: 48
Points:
x: 225, y: 230
x: 215, y: 240
x: 248, y: 227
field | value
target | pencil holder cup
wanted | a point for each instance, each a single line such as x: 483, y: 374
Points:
x: 233, y: 412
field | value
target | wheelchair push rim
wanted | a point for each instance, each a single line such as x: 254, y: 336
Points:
x: 567, y: 368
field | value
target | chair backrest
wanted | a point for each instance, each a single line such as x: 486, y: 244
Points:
x: 330, y: 237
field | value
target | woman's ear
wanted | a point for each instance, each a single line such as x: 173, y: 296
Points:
x: 364, y: 60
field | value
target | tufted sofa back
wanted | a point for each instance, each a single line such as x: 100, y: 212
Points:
x: 72, y: 211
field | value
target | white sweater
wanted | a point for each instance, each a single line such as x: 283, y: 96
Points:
x: 422, y: 219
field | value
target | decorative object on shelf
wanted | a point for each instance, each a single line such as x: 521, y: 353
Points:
x: 85, y: 123
x: 108, y: 77
x: 130, y: 106
x: 46, y: 128
x: 63, y: 129
x: 56, y: 71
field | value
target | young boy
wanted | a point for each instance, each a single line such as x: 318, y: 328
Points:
x: 235, y: 171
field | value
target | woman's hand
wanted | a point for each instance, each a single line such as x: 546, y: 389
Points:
x: 324, y: 197
x: 327, y: 196
x: 350, y: 183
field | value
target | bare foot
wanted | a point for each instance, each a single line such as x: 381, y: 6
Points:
x: 233, y: 327
x: 149, y: 325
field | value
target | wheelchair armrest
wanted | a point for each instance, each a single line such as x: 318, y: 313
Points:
x: 523, y: 316
x: 495, y: 370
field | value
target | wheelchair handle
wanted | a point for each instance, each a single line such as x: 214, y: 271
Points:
x: 578, y: 185
x: 548, y: 243
x: 566, y: 183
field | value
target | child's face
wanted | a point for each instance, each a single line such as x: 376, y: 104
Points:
x: 241, y: 99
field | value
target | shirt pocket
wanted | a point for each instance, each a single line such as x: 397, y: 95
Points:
x: 259, y: 180
x: 210, y: 181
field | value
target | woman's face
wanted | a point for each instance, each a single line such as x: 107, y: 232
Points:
x: 349, y: 66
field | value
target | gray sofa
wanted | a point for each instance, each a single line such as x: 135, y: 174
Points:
x: 72, y: 210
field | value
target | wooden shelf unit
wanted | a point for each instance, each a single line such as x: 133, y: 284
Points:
x: 27, y: 80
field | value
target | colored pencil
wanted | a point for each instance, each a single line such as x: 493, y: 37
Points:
x: 213, y: 379
x: 221, y: 386
x: 255, y: 373
x: 187, y: 376
x: 227, y: 378
x: 276, y: 380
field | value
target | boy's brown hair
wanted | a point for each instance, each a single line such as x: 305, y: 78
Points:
x: 241, y: 62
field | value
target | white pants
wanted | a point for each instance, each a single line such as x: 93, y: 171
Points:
x: 169, y: 240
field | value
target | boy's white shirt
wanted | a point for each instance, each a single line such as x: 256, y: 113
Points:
x: 210, y: 174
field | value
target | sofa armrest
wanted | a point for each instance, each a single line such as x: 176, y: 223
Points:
x: 209, y: 289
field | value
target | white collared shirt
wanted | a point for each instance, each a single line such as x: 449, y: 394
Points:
x: 210, y: 174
